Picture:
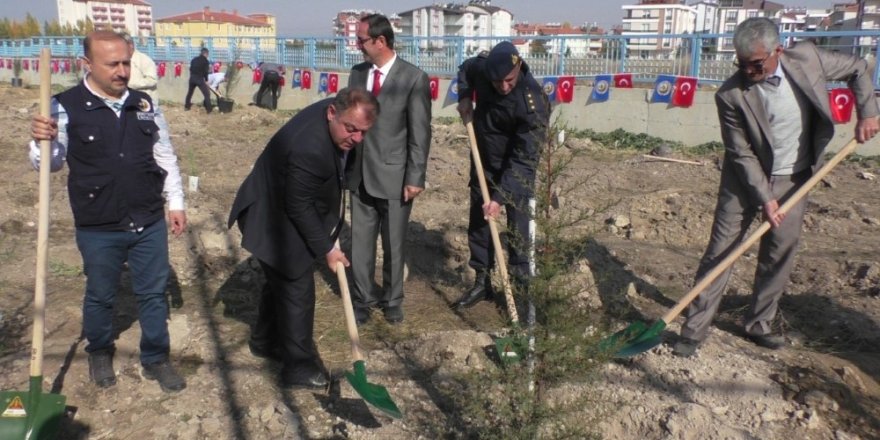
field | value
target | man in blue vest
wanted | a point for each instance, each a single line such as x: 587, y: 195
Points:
x: 119, y: 170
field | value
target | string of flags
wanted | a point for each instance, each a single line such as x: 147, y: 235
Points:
x: 678, y: 91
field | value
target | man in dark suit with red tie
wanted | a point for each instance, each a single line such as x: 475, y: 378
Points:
x: 289, y: 211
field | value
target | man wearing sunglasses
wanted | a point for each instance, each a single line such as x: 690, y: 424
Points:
x: 775, y: 124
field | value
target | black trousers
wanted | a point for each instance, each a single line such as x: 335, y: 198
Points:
x: 287, y: 318
x: 203, y: 86
x: 480, y: 237
x: 271, y: 83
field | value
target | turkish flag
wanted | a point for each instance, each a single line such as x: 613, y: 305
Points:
x: 160, y: 70
x: 841, y: 102
x: 257, y: 76
x: 26, y: 64
x: 307, y: 79
x: 333, y: 83
x: 623, y: 80
x: 36, y: 65
x: 65, y: 66
x: 685, y: 89
x: 55, y: 67
x: 434, y: 84
x: 216, y: 67
x: 178, y: 68
x: 79, y: 64
x: 565, y: 89
x: 281, y: 81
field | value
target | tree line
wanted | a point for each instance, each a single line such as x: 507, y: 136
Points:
x: 30, y: 27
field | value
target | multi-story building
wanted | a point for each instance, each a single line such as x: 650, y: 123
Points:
x: 869, y: 19
x: 652, y: 17
x: 346, y: 22
x: 132, y: 16
x: 734, y: 12
x: 580, y: 44
x: 239, y: 30
x: 475, y: 19
x: 706, y: 21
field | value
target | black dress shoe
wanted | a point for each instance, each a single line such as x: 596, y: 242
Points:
x: 770, y: 340
x: 315, y: 379
x: 361, y: 315
x: 393, y: 314
x: 265, y: 351
x: 482, y: 290
x: 685, y: 347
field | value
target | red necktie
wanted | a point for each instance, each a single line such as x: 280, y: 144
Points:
x: 377, y: 81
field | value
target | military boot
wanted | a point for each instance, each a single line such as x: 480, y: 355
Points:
x: 482, y: 290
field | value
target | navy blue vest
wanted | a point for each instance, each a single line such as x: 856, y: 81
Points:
x: 115, y: 183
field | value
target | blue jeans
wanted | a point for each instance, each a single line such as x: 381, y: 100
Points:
x: 104, y: 254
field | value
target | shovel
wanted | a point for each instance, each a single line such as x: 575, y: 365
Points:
x: 639, y: 337
x: 34, y: 414
x: 509, y: 349
x: 373, y: 394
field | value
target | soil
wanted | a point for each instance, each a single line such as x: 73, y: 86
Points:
x: 651, y: 224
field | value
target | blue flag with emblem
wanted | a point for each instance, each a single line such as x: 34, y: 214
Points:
x: 323, y: 83
x: 601, y: 88
x: 549, y: 85
x: 663, y: 88
x: 297, y: 79
x: 452, y: 93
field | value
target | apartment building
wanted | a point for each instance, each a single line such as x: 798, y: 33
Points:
x: 196, y: 26
x: 577, y: 41
x: 346, y: 21
x: 651, y: 17
x: 477, y: 18
x: 132, y: 16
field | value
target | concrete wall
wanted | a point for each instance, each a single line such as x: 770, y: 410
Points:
x: 628, y: 109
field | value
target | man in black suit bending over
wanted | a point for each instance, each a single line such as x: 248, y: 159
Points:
x: 289, y: 210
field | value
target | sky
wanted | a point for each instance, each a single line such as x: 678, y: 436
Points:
x: 294, y: 18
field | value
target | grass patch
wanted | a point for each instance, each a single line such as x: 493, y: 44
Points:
x: 62, y: 269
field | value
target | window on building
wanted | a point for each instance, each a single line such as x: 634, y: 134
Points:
x: 729, y: 28
x: 727, y: 43
x: 752, y: 14
x: 731, y: 15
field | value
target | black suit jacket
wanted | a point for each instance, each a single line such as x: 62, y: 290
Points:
x: 290, y: 206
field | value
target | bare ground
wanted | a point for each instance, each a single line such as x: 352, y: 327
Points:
x: 823, y: 385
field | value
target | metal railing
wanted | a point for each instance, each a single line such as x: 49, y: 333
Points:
x: 705, y: 56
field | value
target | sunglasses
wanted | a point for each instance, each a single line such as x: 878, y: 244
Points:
x: 757, y: 65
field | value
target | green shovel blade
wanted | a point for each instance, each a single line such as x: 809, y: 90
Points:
x: 511, y: 349
x: 635, y: 339
x: 373, y: 394
x: 30, y: 415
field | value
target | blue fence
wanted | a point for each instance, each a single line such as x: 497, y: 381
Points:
x: 705, y: 56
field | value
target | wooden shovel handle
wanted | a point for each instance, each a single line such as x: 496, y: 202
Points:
x: 350, y: 323
x: 500, y: 261
x: 709, y: 277
x: 42, y: 220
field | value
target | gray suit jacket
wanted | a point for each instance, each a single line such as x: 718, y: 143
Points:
x: 395, y: 151
x: 745, y: 127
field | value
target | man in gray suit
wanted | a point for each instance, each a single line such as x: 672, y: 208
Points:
x: 389, y: 170
x: 775, y: 124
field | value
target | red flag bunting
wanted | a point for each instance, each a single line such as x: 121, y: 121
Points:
x: 178, y: 69
x: 434, y: 83
x: 160, y: 70
x: 306, y: 79
x: 257, y: 76
x: 623, y: 80
x: 841, y: 101
x: 565, y: 89
x: 685, y: 89
x: 333, y: 83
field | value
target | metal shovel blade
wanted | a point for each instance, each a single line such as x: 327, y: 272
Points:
x: 30, y: 415
x: 634, y: 339
x: 373, y: 394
